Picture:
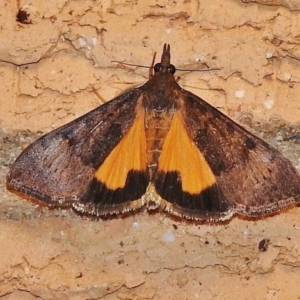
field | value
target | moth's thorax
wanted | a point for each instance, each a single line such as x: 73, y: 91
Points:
x: 159, y: 106
x: 161, y: 92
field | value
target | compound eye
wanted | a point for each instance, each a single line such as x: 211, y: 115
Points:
x: 157, y: 67
x: 171, y: 69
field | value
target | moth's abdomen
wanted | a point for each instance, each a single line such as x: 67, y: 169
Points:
x: 157, y: 126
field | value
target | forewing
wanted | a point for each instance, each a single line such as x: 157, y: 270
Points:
x: 254, y: 178
x: 59, y: 167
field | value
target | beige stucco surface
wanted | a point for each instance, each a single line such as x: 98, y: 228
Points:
x: 49, y: 70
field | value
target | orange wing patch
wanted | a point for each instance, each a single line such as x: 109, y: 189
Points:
x: 129, y: 154
x: 180, y: 154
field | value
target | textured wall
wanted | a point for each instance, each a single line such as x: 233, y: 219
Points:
x: 51, y: 63
x: 53, y: 59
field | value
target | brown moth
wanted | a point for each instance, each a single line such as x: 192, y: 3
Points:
x: 157, y: 145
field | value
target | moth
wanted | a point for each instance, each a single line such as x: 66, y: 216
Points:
x: 156, y: 146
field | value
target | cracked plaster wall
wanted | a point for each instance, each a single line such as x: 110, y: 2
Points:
x: 51, y: 65
x: 49, y: 69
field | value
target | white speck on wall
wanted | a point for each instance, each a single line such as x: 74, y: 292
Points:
x: 26, y: 269
x: 168, y: 30
x: 94, y: 41
x: 297, y: 227
x: 82, y: 42
x: 89, y: 42
x: 168, y: 237
x: 269, y: 103
x: 269, y: 54
x: 286, y: 77
x: 136, y: 224
x: 200, y: 58
x: 247, y: 232
x: 240, y: 94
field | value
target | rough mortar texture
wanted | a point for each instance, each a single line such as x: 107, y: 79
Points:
x: 51, y: 63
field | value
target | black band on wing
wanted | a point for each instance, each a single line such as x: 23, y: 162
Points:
x: 211, y: 200
x: 99, y: 195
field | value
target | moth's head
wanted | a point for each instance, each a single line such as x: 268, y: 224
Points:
x: 165, y: 65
